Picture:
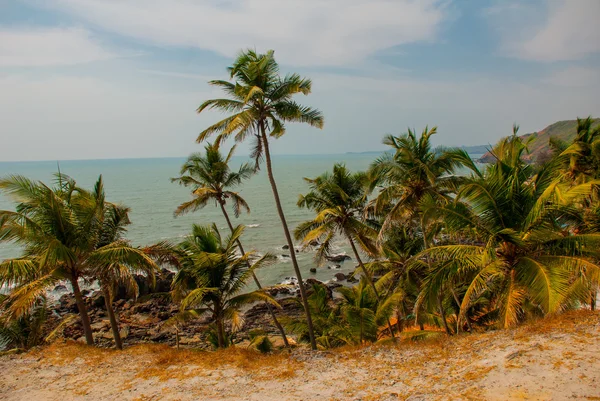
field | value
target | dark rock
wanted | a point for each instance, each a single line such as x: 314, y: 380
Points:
x: 97, y: 299
x: 285, y: 256
x: 313, y: 269
x: 61, y: 288
x: 314, y: 243
x: 340, y: 276
x: 310, y: 282
x: 86, y: 293
x: 297, y: 251
x: 285, y: 247
x: 160, y: 337
x: 338, y: 258
x: 68, y: 304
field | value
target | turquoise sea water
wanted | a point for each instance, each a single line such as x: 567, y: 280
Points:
x: 144, y: 185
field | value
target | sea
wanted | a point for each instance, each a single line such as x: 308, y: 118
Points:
x: 144, y: 185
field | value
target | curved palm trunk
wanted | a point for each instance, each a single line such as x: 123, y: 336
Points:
x: 458, y: 315
x: 288, y: 237
x: 85, y: 319
x: 368, y: 277
x: 269, y: 306
x: 113, y: 320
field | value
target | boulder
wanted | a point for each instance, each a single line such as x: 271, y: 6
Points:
x: 314, y: 243
x: 285, y: 247
x: 313, y: 269
x: 67, y: 304
x: 285, y: 256
x: 60, y: 288
x: 338, y: 258
x: 340, y: 277
x: 97, y: 299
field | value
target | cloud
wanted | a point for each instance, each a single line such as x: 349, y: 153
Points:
x: 35, y: 47
x: 574, y: 76
x: 309, y: 32
x: 569, y: 29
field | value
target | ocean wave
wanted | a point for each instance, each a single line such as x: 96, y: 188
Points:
x: 252, y: 225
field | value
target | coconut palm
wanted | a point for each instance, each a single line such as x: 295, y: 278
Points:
x: 211, y: 277
x: 338, y: 199
x: 524, y: 257
x: 261, y: 102
x: 212, y: 180
x: 63, y: 237
x: 114, y: 261
x: 414, y: 169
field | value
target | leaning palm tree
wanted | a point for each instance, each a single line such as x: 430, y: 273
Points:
x: 524, y: 255
x: 260, y: 101
x: 212, y: 180
x: 211, y: 278
x: 338, y: 199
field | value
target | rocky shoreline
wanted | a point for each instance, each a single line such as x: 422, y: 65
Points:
x: 148, y: 319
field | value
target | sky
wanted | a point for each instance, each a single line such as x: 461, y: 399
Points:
x: 91, y: 79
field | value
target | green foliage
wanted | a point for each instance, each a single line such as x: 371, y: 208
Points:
x: 212, y: 276
x: 25, y: 331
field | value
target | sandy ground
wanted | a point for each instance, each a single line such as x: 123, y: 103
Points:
x: 552, y: 359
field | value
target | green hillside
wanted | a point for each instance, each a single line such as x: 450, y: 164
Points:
x: 563, y: 130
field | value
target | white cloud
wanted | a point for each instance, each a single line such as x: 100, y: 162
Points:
x: 324, y: 32
x: 569, y: 29
x: 26, y: 47
x: 574, y: 76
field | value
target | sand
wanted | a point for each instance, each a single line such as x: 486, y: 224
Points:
x: 551, y: 359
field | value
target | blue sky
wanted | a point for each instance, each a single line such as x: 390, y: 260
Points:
x: 121, y: 78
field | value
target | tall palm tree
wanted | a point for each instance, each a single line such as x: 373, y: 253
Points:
x: 211, y: 277
x: 261, y: 102
x: 212, y: 180
x: 114, y: 261
x: 524, y: 256
x: 339, y: 199
x: 61, y: 233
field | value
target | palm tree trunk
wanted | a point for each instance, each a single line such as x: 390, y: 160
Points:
x: 458, y: 316
x: 288, y: 237
x: 443, y: 315
x: 368, y: 277
x: 593, y: 300
x: 111, y: 316
x: 220, y: 334
x: 399, y: 322
x: 85, y: 319
x: 269, y: 306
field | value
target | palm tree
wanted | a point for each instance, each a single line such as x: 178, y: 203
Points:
x: 260, y: 101
x: 211, y: 277
x: 524, y: 256
x: 581, y: 164
x: 338, y: 199
x: 52, y: 224
x: 211, y: 180
x: 114, y: 261
x: 413, y: 171
x: 65, y: 236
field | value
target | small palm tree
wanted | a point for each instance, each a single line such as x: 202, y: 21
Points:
x: 114, y: 261
x: 338, y: 199
x: 261, y: 102
x: 211, y: 277
x: 212, y: 180
x: 524, y: 256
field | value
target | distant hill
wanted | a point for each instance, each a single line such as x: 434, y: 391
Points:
x: 563, y: 130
